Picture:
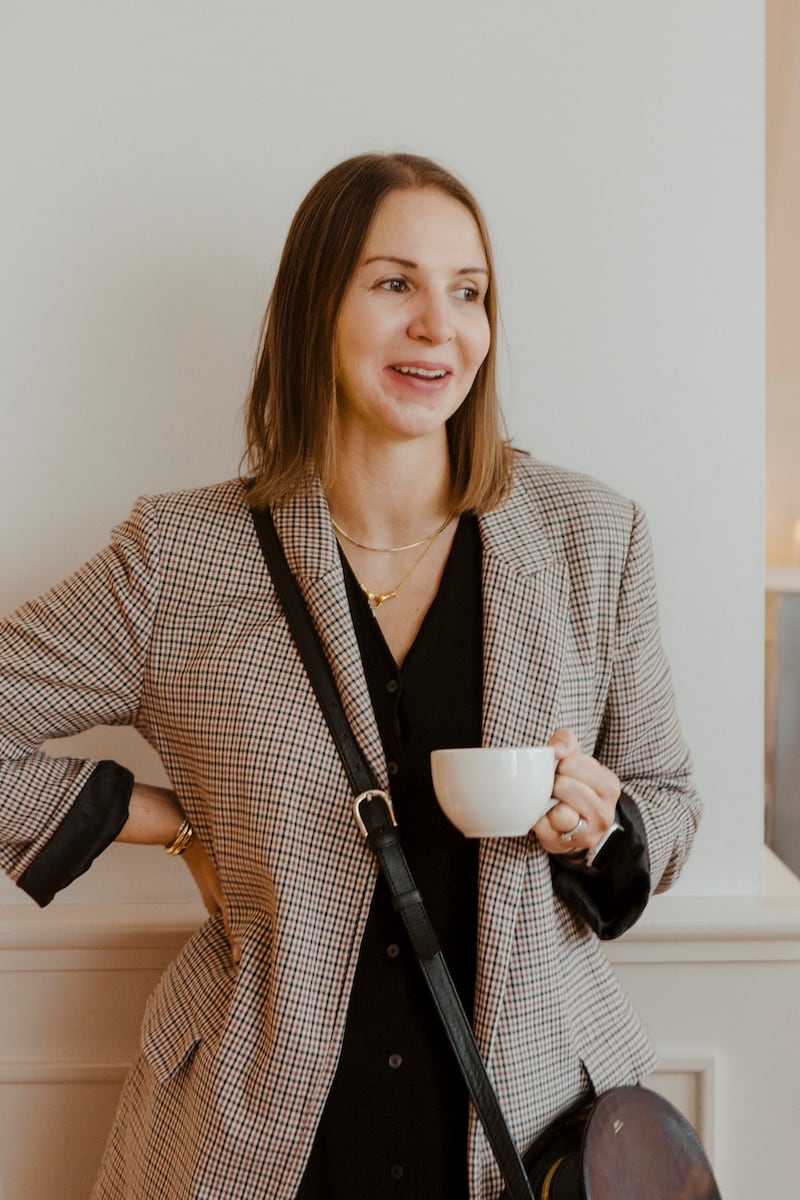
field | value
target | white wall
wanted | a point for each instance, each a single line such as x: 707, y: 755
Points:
x: 783, y: 280
x: 153, y: 155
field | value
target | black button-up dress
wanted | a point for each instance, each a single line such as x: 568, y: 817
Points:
x: 395, y: 1123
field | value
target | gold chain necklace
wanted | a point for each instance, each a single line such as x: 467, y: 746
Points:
x: 376, y: 599
x: 392, y: 549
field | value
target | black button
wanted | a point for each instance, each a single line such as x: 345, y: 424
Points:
x: 393, y: 950
x: 395, y: 1061
x: 397, y: 1171
x: 392, y: 685
x: 392, y: 768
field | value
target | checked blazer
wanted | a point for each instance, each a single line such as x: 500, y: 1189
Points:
x: 175, y: 628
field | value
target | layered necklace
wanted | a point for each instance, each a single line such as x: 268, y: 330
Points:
x: 376, y: 599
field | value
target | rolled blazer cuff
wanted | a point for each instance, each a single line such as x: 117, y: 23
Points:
x: 91, y: 825
x: 612, y: 894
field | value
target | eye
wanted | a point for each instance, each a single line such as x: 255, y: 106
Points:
x: 393, y: 285
x: 468, y: 292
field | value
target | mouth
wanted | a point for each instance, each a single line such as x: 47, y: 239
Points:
x: 422, y: 372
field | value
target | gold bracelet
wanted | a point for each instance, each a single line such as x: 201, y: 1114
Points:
x: 183, y: 838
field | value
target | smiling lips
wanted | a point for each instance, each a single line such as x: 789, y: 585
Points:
x: 417, y: 371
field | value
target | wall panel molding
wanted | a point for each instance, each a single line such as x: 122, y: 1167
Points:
x: 74, y: 980
x: 28, y: 1071
x: 688, y: 1080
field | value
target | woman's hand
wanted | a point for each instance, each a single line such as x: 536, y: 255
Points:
x: 206, y: 877
x: 587, y: 793
x: 154, y: 816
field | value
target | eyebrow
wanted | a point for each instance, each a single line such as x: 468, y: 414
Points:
x: 406, y: 262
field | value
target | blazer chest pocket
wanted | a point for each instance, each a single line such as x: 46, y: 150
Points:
x: 190, y: 1003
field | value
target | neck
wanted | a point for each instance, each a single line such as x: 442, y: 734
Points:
x: 391, y: 496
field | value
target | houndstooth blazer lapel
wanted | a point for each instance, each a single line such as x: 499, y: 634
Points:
x: 304, y: 526
x: 526, y: 594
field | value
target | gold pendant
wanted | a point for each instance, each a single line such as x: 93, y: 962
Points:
x: 376, y: 599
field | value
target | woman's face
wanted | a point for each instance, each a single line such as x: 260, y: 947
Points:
x: 413, y: 329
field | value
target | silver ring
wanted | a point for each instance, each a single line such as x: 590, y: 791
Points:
x: 570, y: 834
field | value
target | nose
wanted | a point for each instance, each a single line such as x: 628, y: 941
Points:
x: 432, y: 320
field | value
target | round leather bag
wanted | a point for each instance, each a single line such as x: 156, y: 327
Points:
x: 633, y: 1145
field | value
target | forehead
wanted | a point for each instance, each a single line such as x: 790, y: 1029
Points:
x: 425, y: 223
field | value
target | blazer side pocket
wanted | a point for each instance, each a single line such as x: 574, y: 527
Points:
x: 190, y: 1003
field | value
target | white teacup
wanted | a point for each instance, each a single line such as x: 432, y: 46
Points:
x: 494, y: 791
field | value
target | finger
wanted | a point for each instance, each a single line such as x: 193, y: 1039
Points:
x: 553, y: 841
x: 573, y: 823
x: 587, y: 770
x: 576, y: 796
x: 559, y: 830
x: 599, y: 811
x: 561, y: 818
x: 209, y: 885
x: 564, y: 742
x: 564, y: 831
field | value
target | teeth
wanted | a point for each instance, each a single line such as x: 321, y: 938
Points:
x: 421, y: 372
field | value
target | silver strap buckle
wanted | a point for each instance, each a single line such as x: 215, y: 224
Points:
x: 369, y: 796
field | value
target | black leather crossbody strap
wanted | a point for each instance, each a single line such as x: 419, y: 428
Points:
x: 316, y: 664
x: 377, y: 821
x: 375, y: 816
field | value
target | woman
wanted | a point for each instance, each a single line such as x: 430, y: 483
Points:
x: 464, y: 594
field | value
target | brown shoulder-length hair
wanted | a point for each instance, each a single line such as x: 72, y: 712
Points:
x: 290, y: 417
